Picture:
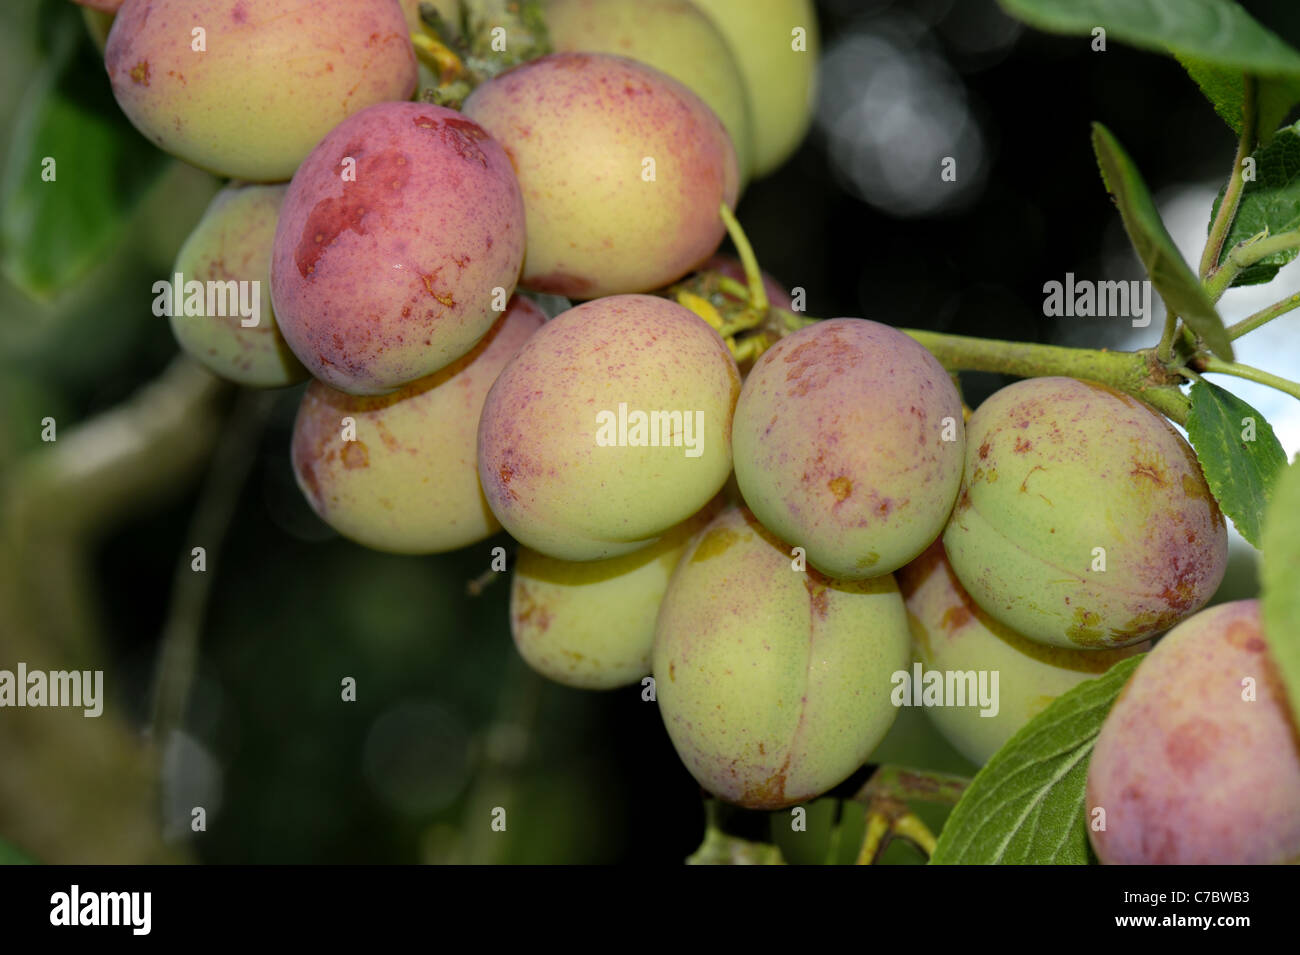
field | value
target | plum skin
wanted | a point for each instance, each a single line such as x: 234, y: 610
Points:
x: 781, y: 82
x: 950, y: 632
x: 591, y: 624
x: 1057, y: 467
x: 385, y: 278
x: 578, y: 128
x: 550, y: 483
x: 233, y: 242
x: 839, y: 444
x: 1187, y: 771
x: 274, y: 78
x: 409, y: 482
x: 673, y: 36
x: 774, y: 685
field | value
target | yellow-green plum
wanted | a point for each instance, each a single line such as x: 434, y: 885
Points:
x: 848, y: 442
x: 232, y: 244
x: 674, y: 37
x: 397, y: 472
x: 591, y: 624
x: 623, y: 170
x: 951, y: 634
x: 1198, y: 761
x: 774, y: 683
x: 107, y: 6
x: 246, y: 88
x: 776, y: 44
x: 1083, y: 519
x: 611, y: 425
x: 398, y: 246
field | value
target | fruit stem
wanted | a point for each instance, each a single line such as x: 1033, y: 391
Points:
x: 875, y: 838
x: 911, y: 828
x: 753, y: 275
x: 1263, y: 316
x: 1236, y: 182
x: 1210, y: 364
x: 1134, y: 373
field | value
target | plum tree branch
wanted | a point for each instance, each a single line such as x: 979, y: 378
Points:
x: 1135, y: 373
x: 178, y: 653
x: 83, y: 789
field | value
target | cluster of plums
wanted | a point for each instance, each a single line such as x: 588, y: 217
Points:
x: 1061, y: 528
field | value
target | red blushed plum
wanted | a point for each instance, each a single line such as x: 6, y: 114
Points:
x: 848, y: 442
x: 401, y: 475
x: 246, y: 88
x: 397, y: 248
x: 1198, y: 762
x: 1083, y: 519
x: 623, y: 170
x: 610, y: 426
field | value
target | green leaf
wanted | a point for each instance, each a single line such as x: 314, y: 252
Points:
x: 1239, y: 453
x: 1026, y: 806
x: 1169, y: 273
x: 1280, y: 581
x: 1216, y: 40
x: 1269, y: 203
x: 11, y: 856
x: 52, y: 232
x: 1225, y: 89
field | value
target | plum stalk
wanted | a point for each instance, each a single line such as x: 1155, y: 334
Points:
x: 1154, y: 376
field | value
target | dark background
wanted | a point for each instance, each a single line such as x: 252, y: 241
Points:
x: 448, y: 724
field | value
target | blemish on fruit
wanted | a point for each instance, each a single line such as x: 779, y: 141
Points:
x: 355, y: 455
x: 714, y: 544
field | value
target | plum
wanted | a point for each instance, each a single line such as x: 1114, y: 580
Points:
x: 781, y: 80
x: 232, y: 243
x: 848, y: 442
x: 272, y: 76
x: 1083, y: 519
x: 591, y: 624
x: 1198, y: 762
x: 398, y: 245
x: 951, y: 633
x: 674, y: 37
x: 408, y: 482
x: 623, y: 171
x: 774, y: 684
x: 611, y: 425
